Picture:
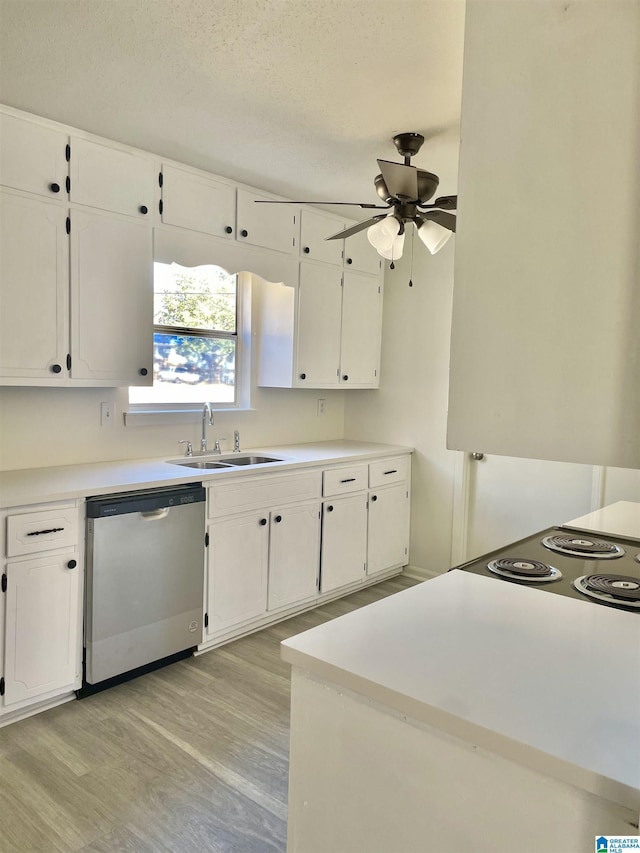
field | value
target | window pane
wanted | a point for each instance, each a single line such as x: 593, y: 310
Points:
x: 190, y: 369
x: 194, y: 297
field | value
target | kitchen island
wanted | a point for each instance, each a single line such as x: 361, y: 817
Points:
x: 465, y: 715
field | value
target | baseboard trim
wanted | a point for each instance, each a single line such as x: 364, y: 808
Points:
x: 420, y: 573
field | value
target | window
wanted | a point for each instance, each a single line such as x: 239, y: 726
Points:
x: 195, y: 343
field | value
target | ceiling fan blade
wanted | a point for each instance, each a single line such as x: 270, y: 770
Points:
x: 401, y: 181
x: 348, y: 203
x: 445, y: 202
x: 349, y: 232
x: 447, y: 220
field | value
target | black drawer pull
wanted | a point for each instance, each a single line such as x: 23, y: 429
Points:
x: 374, y: 497
x: 40, y: 532
x: 329, y: 509
x: 228, y: 230
x: 262, y: 522
x: 394, y: 471
x: 244, y: 233
x: 143, y: 208
x: 55, y: 188
x: 278, y: 519
x: 349, y: 480
x: 71, y: 564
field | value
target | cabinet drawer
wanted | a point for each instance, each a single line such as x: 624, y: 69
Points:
x: 262, y: 492
x: 389, y: 471
x: 42, y: 530
x: 338, y: 481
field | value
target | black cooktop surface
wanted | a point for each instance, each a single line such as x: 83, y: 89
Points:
x: 537, y: 563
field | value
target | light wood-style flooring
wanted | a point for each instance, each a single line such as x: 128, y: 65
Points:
x: 189, y: 759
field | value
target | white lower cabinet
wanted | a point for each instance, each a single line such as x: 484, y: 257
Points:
x: 294, y: 554
x: 388, y: 528
x: 41, y: 613
x: 344, y: 541
x: 238, y: 556
x: 42, y: 637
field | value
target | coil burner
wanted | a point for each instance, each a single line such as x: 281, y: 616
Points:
x: 519, y: 569
x: 581, y: 546
x: 617, y: 590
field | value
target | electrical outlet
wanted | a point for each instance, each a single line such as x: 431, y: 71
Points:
x: 321, y: 403
x: 107, y: 413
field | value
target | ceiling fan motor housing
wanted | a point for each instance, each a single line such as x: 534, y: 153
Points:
x: 408, y: 144
x: 427, y: 185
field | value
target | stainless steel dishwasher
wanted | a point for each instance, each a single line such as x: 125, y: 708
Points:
x: 145, y: 581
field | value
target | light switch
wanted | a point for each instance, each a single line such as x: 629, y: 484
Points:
x: 107, y: 413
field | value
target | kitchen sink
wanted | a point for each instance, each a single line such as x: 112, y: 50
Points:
x: 202, y: 464
x: 251, y: 460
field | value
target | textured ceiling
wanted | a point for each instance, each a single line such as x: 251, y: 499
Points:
x: 298, y: 97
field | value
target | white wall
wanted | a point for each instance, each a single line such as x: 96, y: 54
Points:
x: 411, y: 405
x: 60, y: 426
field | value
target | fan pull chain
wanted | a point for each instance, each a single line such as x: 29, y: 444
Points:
x: 411, y: 270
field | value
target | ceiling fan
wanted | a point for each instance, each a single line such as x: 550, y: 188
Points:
x: 406, y: 192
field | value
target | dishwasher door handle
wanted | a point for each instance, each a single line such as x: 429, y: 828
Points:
x: 156, y: 514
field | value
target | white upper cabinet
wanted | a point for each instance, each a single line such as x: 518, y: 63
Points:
x: 314, y: 230
x: 360, y: 256
x: 361, y: 330
x: 33, y: 157
x: 319, y: 326
x: 323, y: 334
x: 34, y: 288
x: 112, y: 179
x: 111, y: 299
x: 271, y: 226
x: 545, y: 348
x: 199, y: 203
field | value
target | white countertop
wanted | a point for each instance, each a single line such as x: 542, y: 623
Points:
x: 618, y: 519
x: 545, y: 680
x: 39, y: 485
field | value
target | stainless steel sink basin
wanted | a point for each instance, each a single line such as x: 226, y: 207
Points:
x: 202, y: 464
x: 251, y: 460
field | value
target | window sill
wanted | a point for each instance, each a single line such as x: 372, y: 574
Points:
x: 156, y: 417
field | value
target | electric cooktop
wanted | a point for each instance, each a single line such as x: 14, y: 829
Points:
x: 590, y: 567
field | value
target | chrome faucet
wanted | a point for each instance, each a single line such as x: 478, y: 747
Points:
x: 236, y: 441
x: 206, y: 410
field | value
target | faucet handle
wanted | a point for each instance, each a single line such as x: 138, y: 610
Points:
x: 236, y: 441
x: 189, y: 448
x: 216, y: 446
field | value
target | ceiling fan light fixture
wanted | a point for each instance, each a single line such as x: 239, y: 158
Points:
x: 394, y: 253
x: 382, y: 234
x: 434, y: 236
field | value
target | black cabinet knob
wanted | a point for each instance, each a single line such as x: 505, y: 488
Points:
x: 55, y: 188
x: 71, y: 564
x: 349, y: 260
x: 306, y: 250
x: 345, y: 377
x: 303, y: 376
x: 143, y: 208
x: 278, y: 519
x: 229, y: 230
x: 244, y: 233
x: 330, y: 508
x: 262, y: 522
x: 143, y: 371
x: 374, y: 497
x: 56, y: 368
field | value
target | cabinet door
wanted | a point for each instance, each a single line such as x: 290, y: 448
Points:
x: 388, y: 537
x: 34, y: 289
x: 360, y: 256
x: 42, y: 646
x: 111, y: 299
x: 238, y: 557
x: 112, y: 179
x: 294, y: 554
x: 319, y: 323
x: 361, y: 329
x: 33, y: 157
x: 272, y: 226
x: 344, y: 541
x: 198, y: 203
x: 314, y: 229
